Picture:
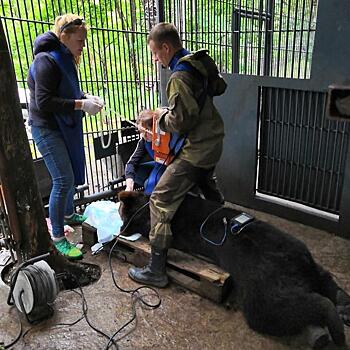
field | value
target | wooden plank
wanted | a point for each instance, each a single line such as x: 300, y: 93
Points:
x: 195, y: 274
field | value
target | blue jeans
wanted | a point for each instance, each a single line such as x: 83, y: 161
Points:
x: 54, y: 151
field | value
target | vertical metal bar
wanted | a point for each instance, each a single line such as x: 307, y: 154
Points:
x: 221, y: 41
x: 325, y: 153
x: 279, y: 49
x: 202, y: 22
x: 295, y: 113
x: 279, y: 190
x: 286, y: 171
x: 314, y: 102
x: 300, y: 142
x: 333, y: 157
x: 245, y: 42
x: 286, y: 65
x: 47, y: 12
x: 278, y: 138
x: 299, y: 75
x: 259, y: 35
x: 160, y: 11
x: 240, y: 31
x: 307, y: 158
x: 235, y: 40
x: 93, y: 122
x: 308, y: 40
x: 319, y: 151
x: 273, y: 151
x: 339, y: 180
x: 295, y: 33
x: 268, y: 52
x: 252, y: 39
x: 99, y: 128
x: 214, y: 41
x: 107, y: 93
x: 266, y: 121
x: 87, y: 136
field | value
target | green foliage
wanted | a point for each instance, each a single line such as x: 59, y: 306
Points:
x: 116, y: 64
x: 245, y: 35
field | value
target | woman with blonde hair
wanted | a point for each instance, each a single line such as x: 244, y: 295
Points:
x: 55, y: 116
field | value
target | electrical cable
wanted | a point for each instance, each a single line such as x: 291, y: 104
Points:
x: 225, y: 230
x: 134, y: 292
x: 13, y: 342
x: 85, y: 310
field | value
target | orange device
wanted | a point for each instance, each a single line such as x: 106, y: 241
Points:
x: 161, y: 144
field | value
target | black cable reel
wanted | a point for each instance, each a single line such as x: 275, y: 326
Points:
x: 33, y: 289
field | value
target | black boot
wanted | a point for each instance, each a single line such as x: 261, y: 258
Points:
x: 154, y: 273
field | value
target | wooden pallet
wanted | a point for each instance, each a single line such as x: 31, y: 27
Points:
x: 190, y: 272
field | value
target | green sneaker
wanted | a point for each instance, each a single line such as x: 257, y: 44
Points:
x: 67, y: 249
x: 74, y: 219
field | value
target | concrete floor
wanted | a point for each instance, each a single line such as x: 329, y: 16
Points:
x: 183, y: 321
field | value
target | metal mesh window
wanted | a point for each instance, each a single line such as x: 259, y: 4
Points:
x: 302, y: 154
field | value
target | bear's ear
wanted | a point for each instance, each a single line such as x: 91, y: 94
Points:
x: 128, y: 197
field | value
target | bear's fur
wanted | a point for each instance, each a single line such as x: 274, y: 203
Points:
x: 278, y: 286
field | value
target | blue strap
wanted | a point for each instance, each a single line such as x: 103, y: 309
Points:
x: 148, y: 146
x: 153, y: 178
x: 155, y: 174
x: 176, y: 143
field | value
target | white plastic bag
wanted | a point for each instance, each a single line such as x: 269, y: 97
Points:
x: 104, y: 216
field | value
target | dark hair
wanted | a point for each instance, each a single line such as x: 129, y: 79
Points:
x: 165, y: 33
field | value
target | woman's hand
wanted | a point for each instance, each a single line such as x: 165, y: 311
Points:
x: 91, y: 106
x: 97, y: 99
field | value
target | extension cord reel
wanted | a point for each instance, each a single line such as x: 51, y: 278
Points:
x: 34, y: 287
x: 31, y: 282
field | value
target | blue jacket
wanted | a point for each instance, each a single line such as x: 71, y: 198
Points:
x: 52, y: 103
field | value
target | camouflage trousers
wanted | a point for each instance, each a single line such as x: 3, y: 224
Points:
x: 179, y: 178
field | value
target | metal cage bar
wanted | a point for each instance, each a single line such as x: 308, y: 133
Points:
x: 255, y: 37
x: 116, y: 65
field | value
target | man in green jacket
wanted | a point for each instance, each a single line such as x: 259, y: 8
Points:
x: 191, y: 113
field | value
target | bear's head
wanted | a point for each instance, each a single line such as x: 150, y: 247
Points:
x: 134, y: 212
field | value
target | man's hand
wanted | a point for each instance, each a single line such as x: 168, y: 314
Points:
x: 129, y: 184
x: 159, y: 112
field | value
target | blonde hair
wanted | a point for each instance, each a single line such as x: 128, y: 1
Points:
x: 62, y: 26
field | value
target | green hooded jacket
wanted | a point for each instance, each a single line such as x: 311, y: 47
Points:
x: 204, y: 127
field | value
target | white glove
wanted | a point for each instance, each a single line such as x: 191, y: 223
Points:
x: 129, y: 184
x: 97, y: 99
x: 91, y: 107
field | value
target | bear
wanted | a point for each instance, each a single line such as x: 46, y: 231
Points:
x: 278, y: 286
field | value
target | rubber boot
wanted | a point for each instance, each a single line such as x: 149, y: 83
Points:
x: 153, y: 274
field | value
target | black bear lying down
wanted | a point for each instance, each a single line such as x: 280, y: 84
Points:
x: 279, y: 287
